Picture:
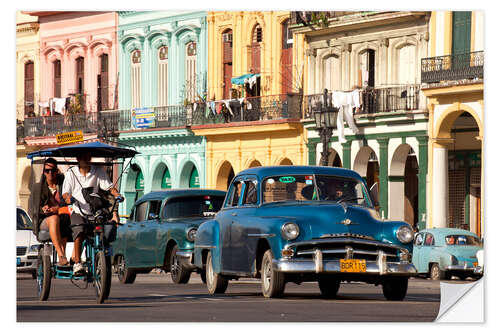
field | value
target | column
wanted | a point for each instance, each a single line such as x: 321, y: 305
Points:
x: 311, y: 146
x: 440, y: 197
x: 346, y: 154
x: 345, y: 63
x: 383, y: 176
x: 422, y: 181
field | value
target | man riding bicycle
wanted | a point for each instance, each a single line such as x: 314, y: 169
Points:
x: 78, y: 178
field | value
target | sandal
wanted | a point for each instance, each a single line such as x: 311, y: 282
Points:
x: 63, y: 261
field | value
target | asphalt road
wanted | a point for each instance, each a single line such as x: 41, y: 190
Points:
x: 154, y: 298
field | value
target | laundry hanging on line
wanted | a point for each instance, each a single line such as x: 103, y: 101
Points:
x: 345, y: 102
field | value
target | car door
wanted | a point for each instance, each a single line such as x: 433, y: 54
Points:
x: 225, y: 218
x: 417, y: 252
x: 146, y: 234
x: 427, y: 249
x: 134, y: 238
x: 244, y: 235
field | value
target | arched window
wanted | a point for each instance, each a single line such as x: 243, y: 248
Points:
x: 366, y: 74
x: 29, y: 88
x: 190, y: 71
x: 103, y: 83
x: 80, y: 75
x: 57, y: 78
x: 406, y: 64
x: 332, y: 73
x: 255, y: 48
x: 162, y: 75
x: 227, y: 61
x: 136, y: 78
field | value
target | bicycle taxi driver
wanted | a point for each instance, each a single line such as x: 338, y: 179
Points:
x: 85, y: 175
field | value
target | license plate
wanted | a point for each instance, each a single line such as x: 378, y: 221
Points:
x: 18, y: 261
x: 353, y: 265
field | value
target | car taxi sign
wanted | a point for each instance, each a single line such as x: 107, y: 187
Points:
x: 69, y: 137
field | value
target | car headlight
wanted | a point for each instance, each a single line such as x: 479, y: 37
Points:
x: 191, y: 234
x: 404, y: 234
x: 34, y: 248
x: 290, y: 231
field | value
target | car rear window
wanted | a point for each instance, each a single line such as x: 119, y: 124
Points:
x: 462, y: 240
x: 193, y: 206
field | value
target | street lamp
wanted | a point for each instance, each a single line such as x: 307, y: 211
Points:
x: 326, y: 122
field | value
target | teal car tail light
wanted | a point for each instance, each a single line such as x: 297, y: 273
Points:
x: 404, y: 234
x: 290, y: 231
x: 191, y: 234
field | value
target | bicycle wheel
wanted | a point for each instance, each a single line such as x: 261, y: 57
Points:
x: 44, y: 276
x: 102, y: 276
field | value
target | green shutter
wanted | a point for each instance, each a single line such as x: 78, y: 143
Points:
x: 194, y: 180
x: 461, y: 32
x: 166, y: 181
x: 139, y: 182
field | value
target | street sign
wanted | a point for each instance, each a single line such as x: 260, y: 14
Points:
x: 69, y: 137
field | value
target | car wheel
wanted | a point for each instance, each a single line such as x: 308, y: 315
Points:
x: 436, y: 273
x: 273, y: 283
x: 125, y: 274
x: 216, y: 283
x: 328, y: 285
x: 395, y: 289
x: 178, y: 273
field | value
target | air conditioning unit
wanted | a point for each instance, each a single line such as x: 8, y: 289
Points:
x: 227, y: 37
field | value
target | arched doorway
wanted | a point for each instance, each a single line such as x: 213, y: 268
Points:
x: 161, y: 178
x: 286, y: 161
x: 403, y: 185
x: 254, y: 164
x: 189, y: 177
x: 366, y: 164
x: 224, y: 176
x: 334, y: 158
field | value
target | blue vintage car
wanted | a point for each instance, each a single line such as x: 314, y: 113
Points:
x: 303, y: 223
x: 441, y: 253
x: 161, y: 227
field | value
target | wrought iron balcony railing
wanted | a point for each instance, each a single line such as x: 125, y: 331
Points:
x: 261, y: 108
x: 375, y: 100
x: 453, y: 67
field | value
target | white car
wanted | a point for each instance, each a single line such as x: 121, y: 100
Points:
x: 26, y: 244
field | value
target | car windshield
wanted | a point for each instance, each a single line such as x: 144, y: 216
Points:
x: 462, y: 240
x: 23, y: 221
x: 193, y: 206
x: 317, y: 188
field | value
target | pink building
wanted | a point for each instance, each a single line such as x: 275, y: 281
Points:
x: 78, y: 57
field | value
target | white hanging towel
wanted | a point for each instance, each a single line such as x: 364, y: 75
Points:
x: 345, y: 101
x: 43, y: 104
x: 226, y: 102
x: 59, y: 105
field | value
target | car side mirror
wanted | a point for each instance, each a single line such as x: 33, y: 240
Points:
x: 152, y: 216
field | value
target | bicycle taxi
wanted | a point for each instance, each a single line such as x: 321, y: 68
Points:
x: 100, y: 231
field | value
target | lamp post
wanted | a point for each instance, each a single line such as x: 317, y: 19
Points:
x: 326, y: 122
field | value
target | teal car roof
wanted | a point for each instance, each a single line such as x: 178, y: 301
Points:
x: 267, y: 171
x: 174, y: 193
x: 442, y: 232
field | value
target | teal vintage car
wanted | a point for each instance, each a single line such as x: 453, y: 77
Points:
x: 441, y: 253
x: 303, y: 223
x: 160, y: 228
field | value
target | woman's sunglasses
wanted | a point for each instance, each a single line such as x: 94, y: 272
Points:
x: 50, y: 170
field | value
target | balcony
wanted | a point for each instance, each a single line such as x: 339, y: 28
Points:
x: 375, y: 100
x: 260, y: 108
x: 467, y: 66
x: 309, y: 17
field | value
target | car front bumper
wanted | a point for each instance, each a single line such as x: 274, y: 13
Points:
x: 27, y: 263
x: 464, y: 269
x: 186, y: 259
x: 333, y: 266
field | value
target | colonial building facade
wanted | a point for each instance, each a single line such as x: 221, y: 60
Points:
x: 453, y: 77
x: 163, y: 68
x: 378, y: 54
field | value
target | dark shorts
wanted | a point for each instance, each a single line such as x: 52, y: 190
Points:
x: 77, y: 224
x: 64, y: 226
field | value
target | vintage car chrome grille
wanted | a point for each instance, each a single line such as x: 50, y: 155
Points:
x: 21, y: 250
x: 347, y: 234
x: 345, y: 248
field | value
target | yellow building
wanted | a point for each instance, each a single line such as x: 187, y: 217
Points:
x: 265, y: 129
x: 454, y: 87
x: 27, y: 94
